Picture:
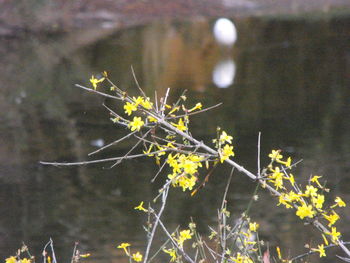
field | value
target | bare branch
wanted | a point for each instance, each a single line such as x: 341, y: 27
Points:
x: 100, y: 160
x: 112, y: 143
x: 98, y: 92
x: 196, y: 112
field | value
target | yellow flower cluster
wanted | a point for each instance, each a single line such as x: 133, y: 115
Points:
x: 183, y: 236
x: 180, y: 238
x: 224, y: 146
x: 130, y: 105
x: 17, y: 260
x: 172, y: 253
x: 309, y: 203
x: 239, y: 258
x: 184, y: 169
x: 180, y: 125
x: 184, y: 166
x: 137, y: 123
x: 245, y: 237
x: 137, y: 257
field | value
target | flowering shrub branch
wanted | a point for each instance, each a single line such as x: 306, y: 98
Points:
x: 163, y: 129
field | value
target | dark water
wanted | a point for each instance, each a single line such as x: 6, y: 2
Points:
x: 291, y: 82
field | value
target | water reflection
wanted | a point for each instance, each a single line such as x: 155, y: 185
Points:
x: 297, y: 95
x: 224, y: 73
x: 98, y: 142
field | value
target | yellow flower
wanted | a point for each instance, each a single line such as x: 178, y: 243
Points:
x: 180, y: 125
x: 331, y: 218
x: 147, y: 104
x: 224, y: 137
x: 314, y: 179
x: 339, y: 202
x: 253, y: 226
x: 85, y: 255
x: 25, y: 260
x: 129, y: 108
x: 140, y: 207
x: 226, y: 152
x: 310, y: 190
x: 284, y: 200
x: 161, y: 149
x: 334, y: 234
x: 151, y: 119
x: 305, y: 211
x: 291, y: 179
x: 148, y: 151
x: 320, y: 249
x: 11, y: 260
x: 137, y: 100
x: 172, y: 160
x: 275, y: 155
x: 325, y: 239
x: 174, y: 109
x: 190, y: 167
x: 197, y: 107
x: 124, y: 246
x: 318, y: 201
x: 294, y: 196
x: 172, y: 254
x: 279, y: 253
x: 137, y: 256
x: 115, y: 120
x: 286, y: 163
x: 187, y: 182
x: 94, y: 81
x: 136, y: 124
x: 277, y: 178
x: 184, y: 235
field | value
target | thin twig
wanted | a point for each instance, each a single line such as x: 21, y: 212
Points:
x: 74, y: 252
x: 160, y: 169
x: 52, y: 251
x: 132, y: 148
x: 227, y: 187
x: 160, y: 249
x: 137, y: 83
x: 259, y: 137
x: 174, y: 242
x: 112, y: 143
x: 150, y: 240
x: 44, y: 250
x: 100, y: 160
x: 98, y: 92
x: 314, y: 252
x: 196, y: 112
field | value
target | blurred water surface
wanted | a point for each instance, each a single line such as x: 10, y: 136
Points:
x: 288, y: 78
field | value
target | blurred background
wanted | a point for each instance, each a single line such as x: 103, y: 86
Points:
x: 281, y: 68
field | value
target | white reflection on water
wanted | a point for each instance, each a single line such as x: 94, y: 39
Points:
x: 224, y: 73
x: 97, y: 142
x: 225, y: 32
